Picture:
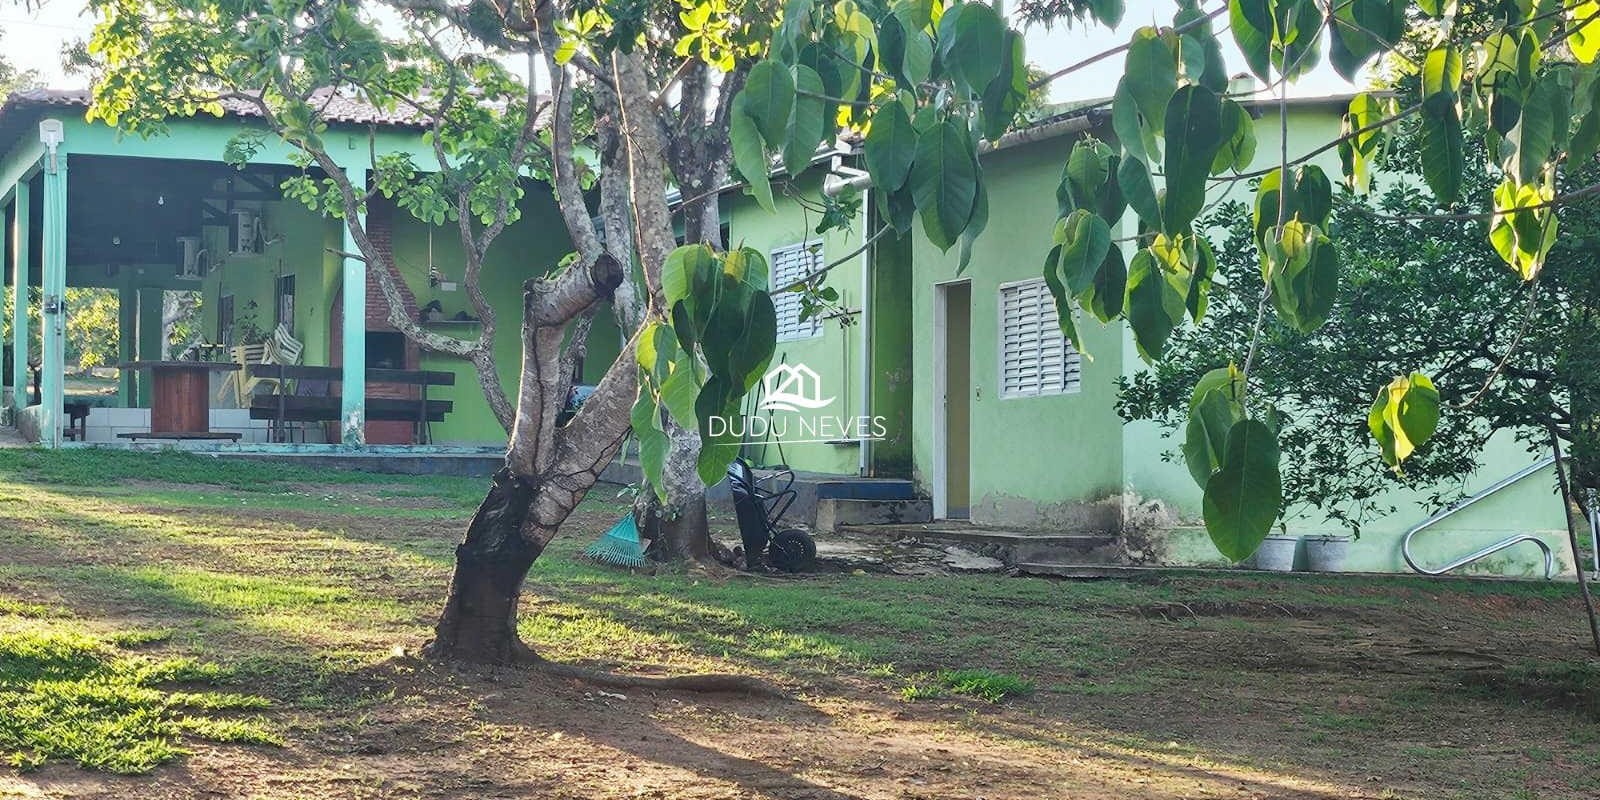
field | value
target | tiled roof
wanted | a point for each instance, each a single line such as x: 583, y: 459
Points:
x: 338, y: 107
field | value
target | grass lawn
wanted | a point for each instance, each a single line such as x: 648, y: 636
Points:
x: 176, y: 626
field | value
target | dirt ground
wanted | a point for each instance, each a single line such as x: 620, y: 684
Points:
x: 1225, y: 686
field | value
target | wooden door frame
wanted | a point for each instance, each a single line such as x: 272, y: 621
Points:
x: 941, y: 383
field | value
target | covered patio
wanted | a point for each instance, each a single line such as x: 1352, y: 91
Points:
x: 87, y: 207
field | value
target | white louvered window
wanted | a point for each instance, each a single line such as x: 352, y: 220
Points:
x: 1035, y: 358
x: 790, y: 264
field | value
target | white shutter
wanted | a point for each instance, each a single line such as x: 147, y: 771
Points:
x: 1035, y: 358
x: 790, y: 264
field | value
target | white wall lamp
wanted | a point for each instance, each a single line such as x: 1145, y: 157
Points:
x: 52, y: 133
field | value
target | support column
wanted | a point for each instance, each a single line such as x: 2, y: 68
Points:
x: 353, y: 387
x: 149, y: 337
x: 54, y: 248
x: 20, y: 256
x: 127, y: 342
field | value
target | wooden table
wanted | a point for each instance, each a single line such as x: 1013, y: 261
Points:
x: 180, y: 397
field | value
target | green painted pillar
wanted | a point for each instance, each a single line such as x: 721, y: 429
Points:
x: 149, y: 337
x: 54, y: 250
x: 127, y: 342
x: 891, y: 341
x: 20, y: 256
x: 353, y: 387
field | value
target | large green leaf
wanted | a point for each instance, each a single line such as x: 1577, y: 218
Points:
x: 808, y: 123
x: 975, y: 226
x: 653, y: 442
x: 1361, y: 29
x: 1307, y: 195
x: 1194, y: 135
x: 1058, y: 291
x: 1404, y: 415
x: 769, y: 99
x: 1205, y: 266
x: 1151, y: 75
x: 1243, y: 498
x: 1304, y: 293
x: 1138, y: 138
x: 890, y: 147
x: 944, y: 183
x: 1238, y: 147
x: 1252, y: 26
x: 1214, y: 72
x: 1442, y: 155
x: 1107, y: 12
x: 718, y: 443
x: 1441, y: 71
x: 1086, y: 238
x: 972, y: 44
x: 691, y: 285
x: 749, y: 154
x: 1083, y: 181
x: 1108, y: 291
x: 1586, y: 139
x: 1584, y: 38
x: 1008, y: 92
x: 1205, y: 435
x: 1534, y: 136
x: 1148, y: 305
x: 1361, y: 150
x: 1133, y: 178
x: 1299, y: 24
x: 891, y: 49
x: 918, y: 62
x: 1523, y: 228
x: 679, y: 389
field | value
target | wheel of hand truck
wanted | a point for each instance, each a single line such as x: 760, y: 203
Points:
x: 792, y: 550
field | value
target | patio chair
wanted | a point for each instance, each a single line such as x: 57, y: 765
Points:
x: 279, y: 348
x: 238, y: 381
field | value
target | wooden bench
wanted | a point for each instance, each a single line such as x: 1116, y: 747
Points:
x: 282, y: 408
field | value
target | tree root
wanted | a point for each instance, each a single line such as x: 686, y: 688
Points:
x: 522, y: 656
x: 711, y: 683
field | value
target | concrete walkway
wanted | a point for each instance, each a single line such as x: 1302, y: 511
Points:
x: 10, y: 438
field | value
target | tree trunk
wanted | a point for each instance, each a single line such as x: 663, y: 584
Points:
x: 679, y: 529
x: 479, y: 622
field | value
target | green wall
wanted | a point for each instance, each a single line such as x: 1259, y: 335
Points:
x: 298, y: 240
x: 1051, y: 461
x: 835, y: 354
x: 531, y: 246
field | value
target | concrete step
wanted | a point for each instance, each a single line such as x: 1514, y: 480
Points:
x: 866, y: 489
x: 1009, y: 545
x: 834, y: 513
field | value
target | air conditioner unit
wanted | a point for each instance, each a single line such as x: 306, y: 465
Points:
x: 192, y: 266
x: 246, y: 231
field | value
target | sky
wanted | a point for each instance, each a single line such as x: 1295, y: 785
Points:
x: 33, y: 40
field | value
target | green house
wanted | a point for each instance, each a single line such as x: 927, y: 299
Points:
x: 955, y: 385
x: 960, y: 382
x: 88, y: 207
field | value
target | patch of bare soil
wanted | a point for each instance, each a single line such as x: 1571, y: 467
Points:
x: 1254, y: 699
x: 511, y: 734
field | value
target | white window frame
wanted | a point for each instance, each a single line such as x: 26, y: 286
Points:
x: 788, y: 303
x: 1049, y: 327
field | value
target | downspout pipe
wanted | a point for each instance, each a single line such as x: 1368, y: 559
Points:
x: 841, y: 178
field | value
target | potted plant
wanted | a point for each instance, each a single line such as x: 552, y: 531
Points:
x: 1277, y: 551
x: 1327, y: 552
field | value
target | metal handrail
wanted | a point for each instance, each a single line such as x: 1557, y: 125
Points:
x: 1549, y: 557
